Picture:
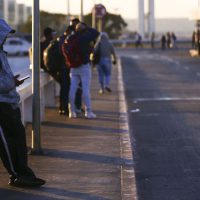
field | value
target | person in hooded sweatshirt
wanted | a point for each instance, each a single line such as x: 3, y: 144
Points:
x: 13, y: 149
x: 107, y: 56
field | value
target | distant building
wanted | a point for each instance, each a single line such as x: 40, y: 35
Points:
x: 8, y: 10
x: 15, y: 14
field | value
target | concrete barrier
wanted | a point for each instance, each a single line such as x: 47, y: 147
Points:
x: 47, y: 96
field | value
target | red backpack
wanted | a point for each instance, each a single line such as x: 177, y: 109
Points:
x: 71, y: 51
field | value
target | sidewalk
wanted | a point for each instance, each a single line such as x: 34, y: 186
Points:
x: 83, y: 159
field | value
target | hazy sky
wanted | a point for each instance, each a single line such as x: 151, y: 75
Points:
x: 127, y: 8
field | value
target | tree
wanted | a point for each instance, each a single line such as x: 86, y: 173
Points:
x: 112, y: 24
x: 55, y: 21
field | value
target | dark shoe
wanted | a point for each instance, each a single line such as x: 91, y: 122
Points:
x: 64, y: 112
x: 108, y: 89
x: 27, y: 182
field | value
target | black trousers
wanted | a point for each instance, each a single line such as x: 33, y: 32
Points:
x: 13, y: 149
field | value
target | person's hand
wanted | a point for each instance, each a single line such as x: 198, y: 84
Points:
x: 18, y: 82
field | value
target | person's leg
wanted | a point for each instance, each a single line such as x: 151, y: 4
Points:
x: 74, y: 81
x: 107, y: 72
x: 85, y: 80
x: 13, y: 142
x: 100, y: 75
x: 64, y: 90
x: 78, y: 97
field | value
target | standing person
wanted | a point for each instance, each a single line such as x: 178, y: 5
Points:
x: 78, y: 98
x: 193, y: 39
x: 174, y: 39
x: 163, y: 42
x: 169, y: 41
x: 13, y: 149
x: 152, y: 40
x: 80, y: 72
x: 138, y: 42
x: 49, y: 35
x: 104, y: 66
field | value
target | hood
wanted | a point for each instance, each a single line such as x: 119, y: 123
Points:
x: 5, y: 29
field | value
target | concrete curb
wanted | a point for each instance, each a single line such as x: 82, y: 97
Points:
x: 128, y: 186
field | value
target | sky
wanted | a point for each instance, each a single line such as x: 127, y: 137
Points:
x: 127, y: 8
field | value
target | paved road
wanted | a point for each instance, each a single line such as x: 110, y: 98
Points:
x: 163, y: 97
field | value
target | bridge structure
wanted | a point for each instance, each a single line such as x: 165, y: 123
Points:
x: 146, y: 21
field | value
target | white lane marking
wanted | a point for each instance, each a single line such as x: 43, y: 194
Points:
x: 166, y: 99
x: 135, y: 110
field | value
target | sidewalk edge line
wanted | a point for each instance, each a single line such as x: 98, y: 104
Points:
x: 128, y: 183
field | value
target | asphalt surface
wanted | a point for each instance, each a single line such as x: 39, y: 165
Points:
x: 162, y: 90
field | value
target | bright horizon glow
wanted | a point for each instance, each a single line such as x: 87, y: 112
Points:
x: 126, y: 8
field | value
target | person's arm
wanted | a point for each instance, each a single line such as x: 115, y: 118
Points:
x: 7, y: 82
x: 91, y: 35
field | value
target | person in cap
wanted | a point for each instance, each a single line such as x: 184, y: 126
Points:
x: 13, y: 149
x: 49, y: 35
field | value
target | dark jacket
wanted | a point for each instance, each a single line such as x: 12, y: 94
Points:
x: 86, y: 37
x: 8, y: 93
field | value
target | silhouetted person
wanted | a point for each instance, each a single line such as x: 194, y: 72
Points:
x: 168, y: 40
x: 163, y: 42
x: 152, y: 40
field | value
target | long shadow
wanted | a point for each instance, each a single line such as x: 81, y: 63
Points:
x: 110, y: 160
x: 166, y: 147
x: 11, y: 194
x: 45, y: 193
x: 73, y: 194
x: 83, y: 127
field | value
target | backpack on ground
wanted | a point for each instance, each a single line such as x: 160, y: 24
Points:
x: 72, y: 52
x: 52, y: 57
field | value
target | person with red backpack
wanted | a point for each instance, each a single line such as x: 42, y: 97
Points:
x: 76, y: 50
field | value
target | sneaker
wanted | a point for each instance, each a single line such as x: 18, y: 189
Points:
x: 90, y: 115
x: 108, y: 89
x: 72, y: 115
x: 27, y: 182
x: 101, y: 91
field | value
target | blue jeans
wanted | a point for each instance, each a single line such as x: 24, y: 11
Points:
x: 80, y: 74
x: 104, y: 72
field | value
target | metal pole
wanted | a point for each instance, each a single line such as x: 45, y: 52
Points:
x: 36, y: 143
x: 93, y: 17
x: 81, y: 15
x: 141, y: 17
x: 68, y: 12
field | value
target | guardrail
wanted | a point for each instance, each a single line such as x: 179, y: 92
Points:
x: 131, y: 42
x: 47, y: 95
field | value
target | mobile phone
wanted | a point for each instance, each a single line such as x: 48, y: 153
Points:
x: 24, y: 78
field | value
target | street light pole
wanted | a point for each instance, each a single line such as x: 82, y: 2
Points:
x: 36, y: 143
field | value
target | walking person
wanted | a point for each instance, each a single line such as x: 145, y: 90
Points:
x: 106, y: 53
x: 78, y: 58
x: 13, y: 149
